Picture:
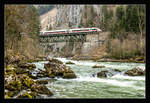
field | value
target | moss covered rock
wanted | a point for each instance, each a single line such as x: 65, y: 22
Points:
x: 10, y: 94
x: 26, y: 80
x: 10, y: 68
x: 41, y: 89
x: 140, y: 58
x: 42, y: 81
x: 13, y: 57
x: 27, y: 66
x: 27, y: 94
x: 52, y: 60
x: 54, y: 69
x: 69, y: 75
x: 12, y: 82
x: 18, y: 78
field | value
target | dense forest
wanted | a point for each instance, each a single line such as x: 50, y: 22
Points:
x: 22, y: 27
x: 127, y: 29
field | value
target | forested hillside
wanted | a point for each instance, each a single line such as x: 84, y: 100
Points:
x: 126, y: 24
x: 22, y: 27
x: 127, y: 31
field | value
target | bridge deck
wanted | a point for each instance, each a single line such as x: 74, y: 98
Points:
x: 68, y: 34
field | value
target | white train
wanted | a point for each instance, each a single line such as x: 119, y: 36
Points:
x: 66, y: 31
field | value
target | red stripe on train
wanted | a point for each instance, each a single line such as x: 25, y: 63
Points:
x: 65, y: 32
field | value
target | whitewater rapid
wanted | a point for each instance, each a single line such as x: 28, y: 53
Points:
x: 119, y: 85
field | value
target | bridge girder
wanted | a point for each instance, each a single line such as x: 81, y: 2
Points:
x: 64, y: 38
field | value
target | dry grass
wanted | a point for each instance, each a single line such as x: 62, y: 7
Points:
x: 129, y: 48
x: 99, y: 52
x: 30, y: 48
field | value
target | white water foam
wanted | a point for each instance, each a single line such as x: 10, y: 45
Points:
x: 108, y: 81
x: 62, y: 59
x: 119, y: 76
x: 142, y: 67
x: 108, y: 64
x: 85, y: 63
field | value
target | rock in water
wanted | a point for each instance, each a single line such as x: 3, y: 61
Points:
x: 69, y: 62
x: 137, y: 71
x: 69, y: 75
x: 55, y: 61
x: 57, y: 68
x: 102, y: 74
x: 117, y: 70
x: 41, y: 89
x: 42, y: 81
x: 98, y: 66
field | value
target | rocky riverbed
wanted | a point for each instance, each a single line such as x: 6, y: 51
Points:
x: 20, y: 82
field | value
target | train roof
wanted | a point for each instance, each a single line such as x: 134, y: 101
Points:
x: 70, y: 29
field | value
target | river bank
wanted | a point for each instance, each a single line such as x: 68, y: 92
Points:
x: 138, y: 59
x: 19, y: 83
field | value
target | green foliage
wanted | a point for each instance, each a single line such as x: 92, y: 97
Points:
x: 107, y: 18
x: 130, y: 18
x: 89, y: 17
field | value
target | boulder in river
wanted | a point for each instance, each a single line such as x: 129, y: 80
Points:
x: 102, y: 74
x: 10, y: 94
x: 69, y: 75
x: 55, y: 61
x: 42, y: 81
x: 41, y: 89
x: 57, y: 69
x: 69, y: 62
x: 137, y: 71
x: 98, y: 66
x: 117, y: 70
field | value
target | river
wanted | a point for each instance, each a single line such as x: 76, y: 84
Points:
x: 88, y: 85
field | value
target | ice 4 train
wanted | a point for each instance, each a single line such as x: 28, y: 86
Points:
x: 66, y: 31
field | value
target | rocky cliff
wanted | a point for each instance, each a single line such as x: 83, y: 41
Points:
x: 68, y: 16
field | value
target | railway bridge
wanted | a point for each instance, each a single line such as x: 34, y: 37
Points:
x: 73, y: 37
x: 49, y: 39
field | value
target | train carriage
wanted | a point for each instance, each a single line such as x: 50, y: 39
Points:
x: 67, y: 31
